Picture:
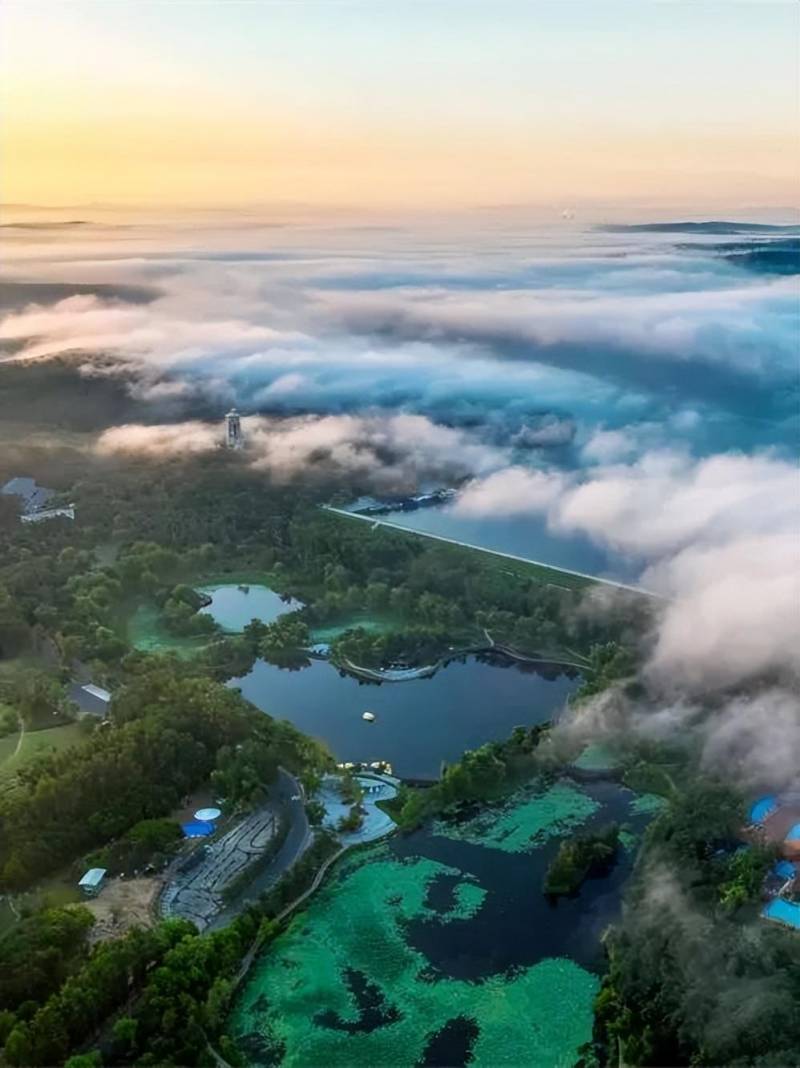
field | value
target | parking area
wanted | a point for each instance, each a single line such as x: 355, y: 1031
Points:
x: 195, y: 891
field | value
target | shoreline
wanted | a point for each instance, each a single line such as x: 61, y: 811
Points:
x: 428, y: 670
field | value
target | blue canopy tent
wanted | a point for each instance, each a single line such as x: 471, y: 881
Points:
x: 197, y: 829
x: 781, y: 911
x: 762, y: 808
x: 784, y: 869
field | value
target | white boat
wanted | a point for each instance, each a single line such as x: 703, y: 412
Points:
x: 368, y: 716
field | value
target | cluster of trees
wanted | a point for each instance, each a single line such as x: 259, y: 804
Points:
x: 167, y: 990
x: 170, y: 730
x: 180, y: 615
x: 481, y: 775
x: 579, y: 857
x: 148, y: 842
x: 37, y: 955
x: 413, y: 644
x: 607, y: 662
x: 52, y: 589
x: 286, y: 634
x: 72, y: 1014
x: 695, y: 976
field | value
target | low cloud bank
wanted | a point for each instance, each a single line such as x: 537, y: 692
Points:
x: 719, y: 537
x: 391, y: 454
x: 751, y: 738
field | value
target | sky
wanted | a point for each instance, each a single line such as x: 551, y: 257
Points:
x: 427, y: 106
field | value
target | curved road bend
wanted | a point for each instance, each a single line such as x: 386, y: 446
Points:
x: 290, y: 798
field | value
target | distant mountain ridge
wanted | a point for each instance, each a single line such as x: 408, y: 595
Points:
x: 711, y: 227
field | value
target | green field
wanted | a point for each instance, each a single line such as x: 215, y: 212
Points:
x: 53, y: 738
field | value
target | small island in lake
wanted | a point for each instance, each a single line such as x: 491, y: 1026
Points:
x: 578, y: 858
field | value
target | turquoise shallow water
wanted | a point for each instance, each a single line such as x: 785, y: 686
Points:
x: 233, y: 607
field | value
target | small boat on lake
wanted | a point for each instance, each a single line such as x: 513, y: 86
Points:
x: 369, y: 717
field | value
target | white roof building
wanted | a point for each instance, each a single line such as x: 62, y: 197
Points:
x: 92, y: 881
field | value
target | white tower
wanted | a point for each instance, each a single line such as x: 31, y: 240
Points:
x: 233, y: 430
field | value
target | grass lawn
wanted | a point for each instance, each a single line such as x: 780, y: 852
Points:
x: 36, y: 742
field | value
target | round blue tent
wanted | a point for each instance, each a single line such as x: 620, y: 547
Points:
x: 197, y: 829
x: 793, y: 833
x: 784, y: 869
x: 762, y: 808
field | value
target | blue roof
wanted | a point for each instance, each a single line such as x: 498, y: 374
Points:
x: 786, y: 912
x: 197, y: 829
x: 793, y: 832
x: 784, y: 869
x: 762, y: 808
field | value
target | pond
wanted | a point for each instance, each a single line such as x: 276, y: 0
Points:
x: 439, y: 948
x: 418, y: 723
x: 232, y: 607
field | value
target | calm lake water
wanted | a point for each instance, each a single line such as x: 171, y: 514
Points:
x: 418, y: 723
x: 233, y: 606
x: 528, y: 537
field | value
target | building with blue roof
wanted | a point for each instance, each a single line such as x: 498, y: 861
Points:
x: 762, y: 808
x: 779, y: 910
x: 784, y: 869
x: 197, y: 829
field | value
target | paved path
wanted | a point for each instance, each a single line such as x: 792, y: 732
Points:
x: 21, y: 738
x: 492, y: 552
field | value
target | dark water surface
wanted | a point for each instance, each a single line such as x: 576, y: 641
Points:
x: 517, y: 925
x: 418, y: 723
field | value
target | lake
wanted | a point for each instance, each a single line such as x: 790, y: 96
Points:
x: 527, y: 536
x: 439, y: 947
x: 232, y: 607
x: 418, y: 723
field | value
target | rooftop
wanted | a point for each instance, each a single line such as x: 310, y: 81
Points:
x: 93, y: 877
x: 781, y: 911
x: 33, y: 496
x: 91, y: 699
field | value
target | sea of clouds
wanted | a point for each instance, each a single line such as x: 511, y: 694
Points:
x: 616, y: 387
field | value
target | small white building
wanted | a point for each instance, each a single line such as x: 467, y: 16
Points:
x: 92, y: 881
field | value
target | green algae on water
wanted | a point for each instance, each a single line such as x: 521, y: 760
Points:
x: 300, y: 1001
x: 628, y: 840
x: 596, y: 757
x: 647, y: 804
x: 527, y: 820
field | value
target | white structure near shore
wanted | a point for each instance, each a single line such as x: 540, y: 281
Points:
x: 33, y: 499
x: 92, y: 881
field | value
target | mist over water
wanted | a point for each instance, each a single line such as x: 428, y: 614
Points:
x: 417, y: 353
